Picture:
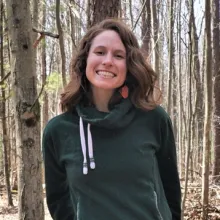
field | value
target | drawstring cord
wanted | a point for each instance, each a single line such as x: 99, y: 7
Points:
x: 90, y: 147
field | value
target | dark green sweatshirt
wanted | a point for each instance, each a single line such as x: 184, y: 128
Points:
x: 134, y: 172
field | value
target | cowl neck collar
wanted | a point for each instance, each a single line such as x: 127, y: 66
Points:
x: 119, y: 116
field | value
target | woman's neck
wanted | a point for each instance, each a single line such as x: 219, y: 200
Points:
x: 101, y: 98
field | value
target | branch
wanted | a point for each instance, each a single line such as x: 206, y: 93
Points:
x: 139, y: 15
x: 42, y: 36
x: 46, y: 33
x: 5, y: 77
x: 41, y: 91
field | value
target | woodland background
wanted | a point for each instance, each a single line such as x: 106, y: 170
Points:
x: 38, y: 40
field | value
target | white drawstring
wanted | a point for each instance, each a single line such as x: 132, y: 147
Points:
x: 90, y: 147
x: 83, y: 145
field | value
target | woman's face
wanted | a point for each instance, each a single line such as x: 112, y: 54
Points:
x: 106, y: 62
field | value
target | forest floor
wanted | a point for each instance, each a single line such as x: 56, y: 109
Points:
x: 11, y: 213
x: 193, y: 209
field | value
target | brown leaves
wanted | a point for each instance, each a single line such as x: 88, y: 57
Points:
x: 193, y: 210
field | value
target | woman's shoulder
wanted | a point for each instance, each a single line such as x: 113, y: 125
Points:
x: 60, y: 121
x: 157, y: 113
x: 161, y: 112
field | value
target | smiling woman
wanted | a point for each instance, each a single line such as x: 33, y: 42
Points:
x: 113, y: 41
x: 111, y: 154
x: 106, y: 67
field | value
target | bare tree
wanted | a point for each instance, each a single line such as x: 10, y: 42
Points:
x: 5, y: 133
x: 27, y: 111
x: 171, y: 54
x: 146, y: 29
x: 45, y: 110
x: 154, y: 30
x: 61, y: 42
x: 189, y: 119
x: 216, y: 73
x: 208, y: 109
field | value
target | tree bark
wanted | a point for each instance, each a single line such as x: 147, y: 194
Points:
x: 27, y: 111
x: 5, y: 135
x: 103, y: 9
x: 216, y: 72
x: 44, y: 74
x: 189, y: 127
x: 146, y: 29
x: 170, y: 71
x: 208, y: 110
x: 61, y: 43
x: 155, y: 42
x: 131, y: 13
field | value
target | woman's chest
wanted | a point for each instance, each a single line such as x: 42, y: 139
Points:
x: 120, y: 155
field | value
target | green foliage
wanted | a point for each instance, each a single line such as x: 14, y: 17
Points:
x: 54, y: 82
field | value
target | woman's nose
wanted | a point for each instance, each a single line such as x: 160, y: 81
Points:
x: 108, y: 60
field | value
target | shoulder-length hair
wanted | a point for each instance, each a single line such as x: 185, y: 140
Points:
x: 140, y: 77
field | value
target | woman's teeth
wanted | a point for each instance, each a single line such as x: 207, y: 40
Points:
x: 105, y: 74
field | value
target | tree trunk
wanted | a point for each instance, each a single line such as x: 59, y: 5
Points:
x: 146, y: 29
x: 189, y: 128
x: 27, y: 111
x: 45, y: 110
x: 61, y: 43
x: 208, y: 110
x: 170, y: 71
x: 179, y: 86
x: 155, y: 42
x: 198, y: 110
x: 103, y: 9
x: 35, y: 15
x: 131, y: 13
x: 5, y: 135
x: 216, y: 71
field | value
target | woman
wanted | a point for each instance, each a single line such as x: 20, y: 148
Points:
x: 111, y: 154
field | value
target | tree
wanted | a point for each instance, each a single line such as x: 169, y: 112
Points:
x: 5, y: 135
x: 154, y: 30
x: 171, y: 55
x: 146, y: 28
x: 208, y: 109
x: 45, y: 110
x: 27, y: 111
x: 61, y: 42
x: 216, y: 71
x: 102, y: 9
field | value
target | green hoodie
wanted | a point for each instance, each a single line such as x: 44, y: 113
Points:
x: 133, y: 173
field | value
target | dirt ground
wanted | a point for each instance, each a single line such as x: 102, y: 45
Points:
x: 11, y: 213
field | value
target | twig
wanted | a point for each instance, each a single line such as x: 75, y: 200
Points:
x: 41, y: 91
x: 46, y: 33
x: 5, y: 77
x: 139, y: 15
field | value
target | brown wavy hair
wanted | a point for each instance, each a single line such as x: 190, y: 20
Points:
x: 140, y: 77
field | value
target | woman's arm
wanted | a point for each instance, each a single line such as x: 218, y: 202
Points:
x: 57, y: 189
x: 168, y: 168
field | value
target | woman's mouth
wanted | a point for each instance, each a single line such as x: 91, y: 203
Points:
x: 105, y: 74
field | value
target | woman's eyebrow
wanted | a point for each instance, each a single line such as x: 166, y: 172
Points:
x: 103, y: 47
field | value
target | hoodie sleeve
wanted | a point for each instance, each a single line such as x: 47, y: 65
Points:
x: 57, y: 190
x: 168, y: 168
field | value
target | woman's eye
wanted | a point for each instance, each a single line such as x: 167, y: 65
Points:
x: 120, y: 56
x: 99, y: 52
